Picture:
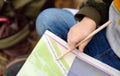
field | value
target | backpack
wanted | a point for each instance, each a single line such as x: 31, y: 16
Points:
x: 15, y: 19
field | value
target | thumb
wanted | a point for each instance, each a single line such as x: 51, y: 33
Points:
x: 71, y: 47
x: 83, y: 45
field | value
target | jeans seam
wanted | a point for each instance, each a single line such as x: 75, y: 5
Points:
x: 102, y: 53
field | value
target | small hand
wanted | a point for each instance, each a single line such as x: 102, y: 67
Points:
x: 79, y: 31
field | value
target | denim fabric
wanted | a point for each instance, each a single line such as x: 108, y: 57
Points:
x: 59, y: 22
x: 55, y: 20
x: 100, y: 49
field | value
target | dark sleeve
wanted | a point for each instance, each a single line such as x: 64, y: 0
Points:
x: 95, y: 9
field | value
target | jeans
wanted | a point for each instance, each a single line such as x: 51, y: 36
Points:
x: 59, y: 22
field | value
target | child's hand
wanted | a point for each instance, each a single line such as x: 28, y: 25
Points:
x: 79, y: 31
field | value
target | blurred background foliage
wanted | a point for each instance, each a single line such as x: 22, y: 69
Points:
x: 32, y: 38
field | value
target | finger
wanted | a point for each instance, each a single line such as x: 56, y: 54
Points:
x: 71, y: 45
x: 83, y: 45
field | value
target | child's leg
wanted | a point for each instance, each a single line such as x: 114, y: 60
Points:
x: 100, y: 49
x: 55, y: 20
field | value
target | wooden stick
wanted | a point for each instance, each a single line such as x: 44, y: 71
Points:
x: 88, y: 37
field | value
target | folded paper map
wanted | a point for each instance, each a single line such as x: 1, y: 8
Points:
x: 42, y: 61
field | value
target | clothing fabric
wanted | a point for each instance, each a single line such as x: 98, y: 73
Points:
x: 73, y: 11
x: 102, y: 50
x: 113, y: 30
x: 56, y: 20
x: 97, y: 10
x: 117, y: 4
x: 59, y: 22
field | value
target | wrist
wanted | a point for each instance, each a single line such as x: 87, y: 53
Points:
x: 89, y: 21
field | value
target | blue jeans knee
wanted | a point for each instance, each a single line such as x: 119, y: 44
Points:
x: 55, y: 20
